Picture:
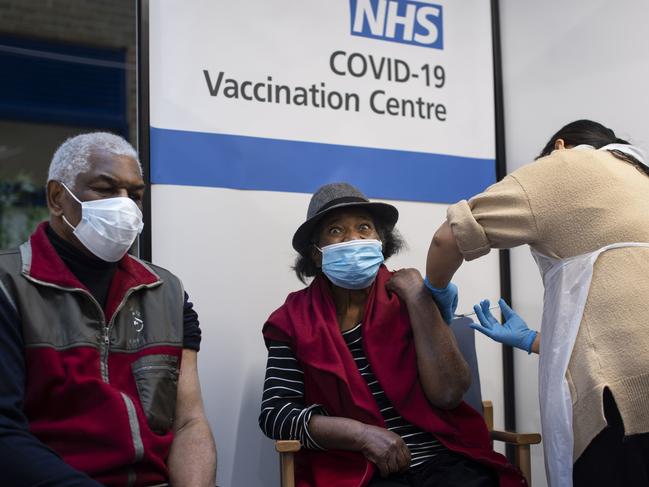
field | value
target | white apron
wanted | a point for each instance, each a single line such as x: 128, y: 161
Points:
x: 566, y: 282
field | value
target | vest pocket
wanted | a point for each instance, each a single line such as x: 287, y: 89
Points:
x: 156, y: 378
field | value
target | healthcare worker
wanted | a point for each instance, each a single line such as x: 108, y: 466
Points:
x: 583, y: 208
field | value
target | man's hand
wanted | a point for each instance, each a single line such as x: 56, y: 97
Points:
x: 385, y: 449
x: 405, y: 283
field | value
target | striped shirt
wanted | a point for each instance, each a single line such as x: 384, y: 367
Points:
x: 284, y: 415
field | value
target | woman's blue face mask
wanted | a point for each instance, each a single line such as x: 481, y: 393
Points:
x: 352, y: 264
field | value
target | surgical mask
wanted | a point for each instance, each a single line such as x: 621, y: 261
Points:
x: 352, y: 264
x: 108, y: 227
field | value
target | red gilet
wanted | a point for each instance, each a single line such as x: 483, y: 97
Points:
x: 307, y: 322
x: 101, y: 384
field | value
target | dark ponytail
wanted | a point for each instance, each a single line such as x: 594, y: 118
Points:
x: 583, y: 132
x: 591, y: 133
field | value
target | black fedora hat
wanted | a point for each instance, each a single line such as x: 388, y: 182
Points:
x: 333, y: 196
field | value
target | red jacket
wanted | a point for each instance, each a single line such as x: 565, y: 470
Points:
x: 307, y: 321
x: 100, y: 383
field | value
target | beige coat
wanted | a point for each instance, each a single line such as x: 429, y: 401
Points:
x: 570, y: 203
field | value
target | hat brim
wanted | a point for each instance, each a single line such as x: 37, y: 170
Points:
x: 388, y: 214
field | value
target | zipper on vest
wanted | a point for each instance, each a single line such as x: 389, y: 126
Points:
x: 106, y: 328
x: 104, y: 347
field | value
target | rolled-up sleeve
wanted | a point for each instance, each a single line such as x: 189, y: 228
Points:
x: 500, y: 217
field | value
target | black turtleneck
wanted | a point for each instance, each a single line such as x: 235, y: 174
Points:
x: 92, y: 272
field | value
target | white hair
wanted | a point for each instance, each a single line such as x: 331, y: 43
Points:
x: 71, y: 158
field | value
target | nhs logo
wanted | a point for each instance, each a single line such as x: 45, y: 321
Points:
x: 417, y: 22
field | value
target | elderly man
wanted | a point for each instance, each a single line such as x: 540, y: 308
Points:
x: 98, y: 381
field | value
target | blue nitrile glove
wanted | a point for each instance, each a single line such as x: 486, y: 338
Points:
x: 513, y: 332
x: 445, y: 298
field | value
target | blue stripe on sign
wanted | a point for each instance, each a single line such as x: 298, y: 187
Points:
x: 241, y: 162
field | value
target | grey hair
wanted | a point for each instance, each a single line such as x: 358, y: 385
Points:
x: 71, y: 158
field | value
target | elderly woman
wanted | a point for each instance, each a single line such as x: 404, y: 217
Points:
x: 361, y: 367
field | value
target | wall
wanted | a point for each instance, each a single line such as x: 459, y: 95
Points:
x: 100, y: 23
x: 563, y: 61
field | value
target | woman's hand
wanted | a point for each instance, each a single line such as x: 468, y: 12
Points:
x: 513, y: 332
x: 385, y: 449
x: 406, y: 283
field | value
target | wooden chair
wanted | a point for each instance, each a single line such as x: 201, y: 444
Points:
x: 466, y: 342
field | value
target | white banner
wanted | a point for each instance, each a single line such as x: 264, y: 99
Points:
x: 285, y: 95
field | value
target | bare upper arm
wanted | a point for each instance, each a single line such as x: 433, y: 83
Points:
x: 444, y: 257
x: 445, y: 238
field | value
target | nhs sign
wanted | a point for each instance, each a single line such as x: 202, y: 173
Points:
x: 417, y: 22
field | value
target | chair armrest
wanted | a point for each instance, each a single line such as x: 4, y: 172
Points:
x: 488, y: 414
x: 516, y: 438
x: 287, y: 446
x: 520, y: 441
x: 286, y: 449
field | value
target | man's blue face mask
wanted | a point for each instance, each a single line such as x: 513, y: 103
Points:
x: 353, y: 264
